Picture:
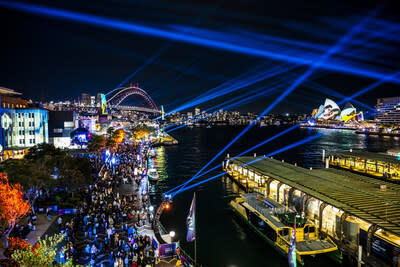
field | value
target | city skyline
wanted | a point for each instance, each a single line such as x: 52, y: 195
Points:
x: 65, y: 58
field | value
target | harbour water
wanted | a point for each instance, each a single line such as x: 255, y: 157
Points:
x: 222, y: 239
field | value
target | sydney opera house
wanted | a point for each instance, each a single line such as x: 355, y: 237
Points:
x: 330, y: 111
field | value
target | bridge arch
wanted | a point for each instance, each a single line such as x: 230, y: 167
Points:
x: 118, y: 95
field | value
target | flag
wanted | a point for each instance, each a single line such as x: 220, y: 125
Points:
x: 292, y: 248
x: 190, y: 222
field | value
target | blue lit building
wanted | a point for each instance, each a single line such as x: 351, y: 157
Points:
x: 22, y: 125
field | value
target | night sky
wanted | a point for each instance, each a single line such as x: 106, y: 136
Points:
x: 49, y: 58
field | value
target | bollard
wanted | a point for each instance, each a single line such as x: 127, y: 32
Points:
x: 327, y: 163
x: 323, y: 155
x: 255, y: 155
x: 283, y: 161
x: 310, y: 168
x: 295, y: 164
x: 351, y: 150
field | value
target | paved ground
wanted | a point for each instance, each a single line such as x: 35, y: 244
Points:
x: 42, y: 224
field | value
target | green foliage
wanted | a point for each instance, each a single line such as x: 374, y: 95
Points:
x: 111, y: 142
x: 110, y: 130
x: 142, y: 127
x: 28, y: 173
x: 96, y: 143
x: 36, y: 168
x: 42, y: 150
x: 42, y: 255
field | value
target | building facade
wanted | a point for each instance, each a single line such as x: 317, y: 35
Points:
x: 61, y: 125
x: 388, y: 110
x: 24, y: 127
x: 23, y: 124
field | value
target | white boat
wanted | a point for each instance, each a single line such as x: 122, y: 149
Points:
x: 153, y: 174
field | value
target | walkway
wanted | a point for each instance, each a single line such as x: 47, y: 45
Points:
x: 42, y: 224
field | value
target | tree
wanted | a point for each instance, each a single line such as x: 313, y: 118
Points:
x: 12, y: 205
x: 111, y: 142
x: 41, y: 150
x: 30, y: 174
x: 110, y: 131
x: 96, y: 143
x: 42, y: 255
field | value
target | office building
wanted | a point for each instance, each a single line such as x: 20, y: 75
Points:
x: 388, y: 110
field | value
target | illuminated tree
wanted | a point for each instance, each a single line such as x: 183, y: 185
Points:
x: 12, y: 205
x: 42, y: 254
x: 119, y: 136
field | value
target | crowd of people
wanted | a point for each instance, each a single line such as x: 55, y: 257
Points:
x: 104, y: 231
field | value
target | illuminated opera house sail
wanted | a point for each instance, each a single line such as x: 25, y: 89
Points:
x: 331, y: 111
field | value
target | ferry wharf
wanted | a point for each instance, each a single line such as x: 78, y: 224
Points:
x: 361, y: 214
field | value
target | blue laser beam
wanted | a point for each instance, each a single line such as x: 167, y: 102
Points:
x: 298, y: 143
x: 359, y: 93
x: 182, y: 37
x: 149, y: 61
x: 294, y: 85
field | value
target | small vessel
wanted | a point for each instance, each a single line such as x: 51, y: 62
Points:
x: 274, y: 223
x: 153, y: 174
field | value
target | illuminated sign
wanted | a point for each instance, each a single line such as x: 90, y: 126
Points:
x: 103, y: 104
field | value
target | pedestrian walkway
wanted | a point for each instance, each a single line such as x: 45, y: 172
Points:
x: 42, y: 224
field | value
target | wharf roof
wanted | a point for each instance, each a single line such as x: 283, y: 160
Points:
x: 369, y: 156
x: 358, y: 195
x: 8, y: 91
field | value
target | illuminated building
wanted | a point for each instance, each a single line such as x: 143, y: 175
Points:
x: 86, y: 100
x: 61, y: 125
x: 388, y: 110
x: 22, y: 125
x: 331, y: 111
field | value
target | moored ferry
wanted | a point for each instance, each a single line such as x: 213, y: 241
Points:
x: 274, y: 223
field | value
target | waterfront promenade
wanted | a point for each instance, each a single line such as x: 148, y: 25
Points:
x: 107, y: 229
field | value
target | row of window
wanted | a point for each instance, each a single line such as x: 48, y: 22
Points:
x: 31, y: 141
x: 30, y: 124
x: 22, y: 132
x: 30, y: 115
x: 8, y: 105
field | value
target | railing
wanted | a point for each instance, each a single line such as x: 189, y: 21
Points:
x: 189, y: 258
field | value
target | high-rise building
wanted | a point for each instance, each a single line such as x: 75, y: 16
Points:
x: 86, y: 100
x: 196, y: 111
x: 388, y: 110
x: 92, y: 101
x: 98, y: 100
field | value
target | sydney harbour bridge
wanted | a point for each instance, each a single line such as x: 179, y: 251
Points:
x: 116, y: 96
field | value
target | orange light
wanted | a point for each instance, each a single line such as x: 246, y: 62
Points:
x: 167, y: 206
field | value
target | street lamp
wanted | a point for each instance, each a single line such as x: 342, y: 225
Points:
x: 172, y: 234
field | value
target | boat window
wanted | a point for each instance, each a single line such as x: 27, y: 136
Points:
x: 306, y: 229
x: 312, y: 229
x: 284, y: 232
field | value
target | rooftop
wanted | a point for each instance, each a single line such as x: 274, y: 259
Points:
x: 356, y: 194
x: 8, y: 91
x: 370, y: 156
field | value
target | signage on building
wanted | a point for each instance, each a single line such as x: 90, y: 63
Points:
x: 5, y: 121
